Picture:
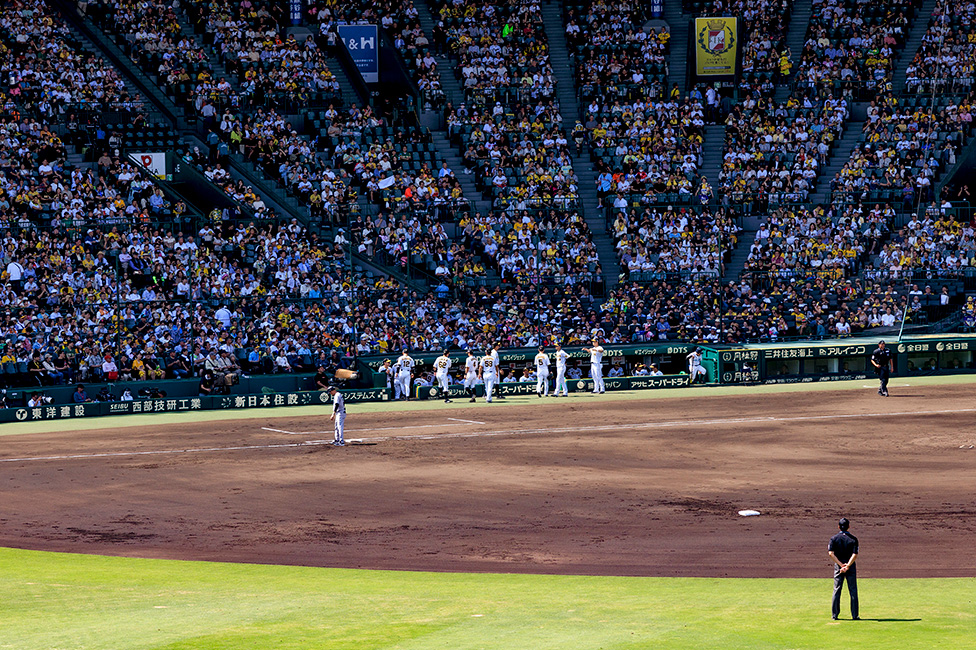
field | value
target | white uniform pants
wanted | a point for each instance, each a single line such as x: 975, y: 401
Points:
x: 697, y: 371
x: 490, y: 381
x: 443, y: 384
x: 542, y: 383
x: 403, y: 382
x: 340, y: 427
x: 596, y: 373
x: 561, y: 382
x: 470, y: 380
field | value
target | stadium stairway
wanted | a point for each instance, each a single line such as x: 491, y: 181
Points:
x: 680, y: 27
x: 912, y: 42
x: 839, y: 156
x: 446, y: 152
x: 137, y: 83
x: 349, y: 94
x: 77, y: 161
x: 713, y: 150
x: 569, y: 109
x: 739, y: 256
x: 219, y: 70
x: 453, y: 92
x: 796, y: 34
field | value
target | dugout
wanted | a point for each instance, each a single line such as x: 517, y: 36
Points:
x: 843, y: 359
x: 669, y: 357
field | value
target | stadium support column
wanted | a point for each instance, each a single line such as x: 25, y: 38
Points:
x: 721, y: 288
x: 118, y: 307
x: 353, y: 289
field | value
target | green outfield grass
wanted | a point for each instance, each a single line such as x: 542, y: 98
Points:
x: 64, y: 601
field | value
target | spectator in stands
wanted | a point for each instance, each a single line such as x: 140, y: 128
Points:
x: 80, y: 396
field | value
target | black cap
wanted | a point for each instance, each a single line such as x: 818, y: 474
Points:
x: 843, y: 523
x: 331, y: 388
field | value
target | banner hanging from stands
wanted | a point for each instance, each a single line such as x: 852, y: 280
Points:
x: 363, y: 43
x: 456, y: 391
x: 716, y: 46
x: 152, y: 162
x: 183, y: 404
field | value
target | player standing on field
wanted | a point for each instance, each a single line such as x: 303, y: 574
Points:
x: 387, y: 369
x: 488, y: 373
x: 542, y: 372
x: 561, y: 357
x: 441, y: 367
x: 596, y: 367
x: 404, y: 375
x: 695, y: 365
x: 884, y: 365
x: 498, y: 366
x: 470, y: 373
x: 338, y: 416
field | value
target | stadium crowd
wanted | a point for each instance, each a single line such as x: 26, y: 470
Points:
x: 104, y: 278
x: 401, y: 23
x: 854, y: 45
x: 270, y: 65
x: 946, y: 60
x: 692, y: 241
x: 766, y: 61
x: 45, y: 71
x: 774, y: 151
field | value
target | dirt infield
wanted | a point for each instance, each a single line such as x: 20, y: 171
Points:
x: 583, y: 486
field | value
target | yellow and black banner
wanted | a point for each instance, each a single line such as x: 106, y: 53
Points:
x: 716, y: 46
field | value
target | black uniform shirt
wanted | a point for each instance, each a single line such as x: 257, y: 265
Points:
x: 844, y: 545
x: 882, y: 357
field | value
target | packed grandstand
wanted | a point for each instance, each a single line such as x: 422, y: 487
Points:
x: 545, y: 172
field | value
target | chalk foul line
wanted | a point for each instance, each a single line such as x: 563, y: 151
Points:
x: 399, y: 428
x: 487, y: 434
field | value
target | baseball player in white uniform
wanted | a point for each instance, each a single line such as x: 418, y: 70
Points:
x: 470, y: 373
x: 404, y: 375
x: 695, y: 368
x: 338, y: 416
x: 489, y: 374
x: 441, y: 367
x: 392, y: 371
x: 542, y: 372
x: 498, y: 365
x: 561, y: 357
x: 596, y: 367
x: 387, y: 369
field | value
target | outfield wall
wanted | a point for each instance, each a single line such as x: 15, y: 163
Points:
x: 766, y: 364
x: 841, y: 360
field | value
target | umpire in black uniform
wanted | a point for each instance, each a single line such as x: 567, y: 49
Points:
x: 842, y: 549
x: 884, y: 365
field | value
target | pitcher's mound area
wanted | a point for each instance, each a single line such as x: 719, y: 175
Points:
x: 586, y: 485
